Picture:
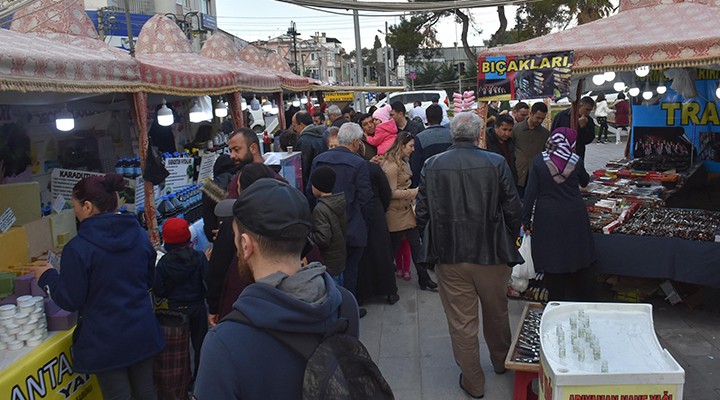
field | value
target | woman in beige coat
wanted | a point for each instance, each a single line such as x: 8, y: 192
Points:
x: 400, y: 214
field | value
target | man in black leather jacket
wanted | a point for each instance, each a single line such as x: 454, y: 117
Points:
x: 469, y: 212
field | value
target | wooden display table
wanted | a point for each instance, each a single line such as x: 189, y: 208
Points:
x: 525, y: 372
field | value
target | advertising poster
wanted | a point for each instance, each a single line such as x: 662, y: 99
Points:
x: 181, y: 173
x: 673, y: 125
x: 46, y: 373
x: 62, y: 182
x: 524, y: 77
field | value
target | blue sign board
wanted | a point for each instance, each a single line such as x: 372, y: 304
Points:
x: 208, y: 22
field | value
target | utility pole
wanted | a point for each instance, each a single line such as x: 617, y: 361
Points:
x: 131, y: 40
x: 387, y: 61
x: 292, y: 31
x: 358, y: 56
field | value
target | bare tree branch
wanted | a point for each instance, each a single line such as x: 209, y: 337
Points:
x: 463, y: 36
x: 498, y: 35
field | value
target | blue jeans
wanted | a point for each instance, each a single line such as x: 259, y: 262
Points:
x: 131, y: 382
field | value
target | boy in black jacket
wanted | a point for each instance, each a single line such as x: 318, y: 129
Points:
x: 179, y: 277
x: 329, y: 222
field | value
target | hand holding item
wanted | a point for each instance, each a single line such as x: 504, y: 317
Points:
x: 583, y: 121
x: 38, y: 271
x: 377, y: 159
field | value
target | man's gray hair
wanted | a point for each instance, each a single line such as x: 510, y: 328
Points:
x: 334, y: 110
x: 466, y: 126
x: 349, y: 132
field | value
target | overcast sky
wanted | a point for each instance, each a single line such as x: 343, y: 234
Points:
x: 257, y: 19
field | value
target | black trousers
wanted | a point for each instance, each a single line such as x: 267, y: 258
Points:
x: 198, y: 319
x: 576, y: 286
x: 413, y: 237
x: 603, y: 132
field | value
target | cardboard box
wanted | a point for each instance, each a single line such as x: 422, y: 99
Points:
x: 23, y: 199
x: 13, y: 247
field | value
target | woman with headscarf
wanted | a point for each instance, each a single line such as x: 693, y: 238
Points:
x: 562, y: 242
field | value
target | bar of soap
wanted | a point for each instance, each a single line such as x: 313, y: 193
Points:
x: 61, y: 320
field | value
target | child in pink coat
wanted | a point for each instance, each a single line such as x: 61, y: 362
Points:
x: 384, y: 136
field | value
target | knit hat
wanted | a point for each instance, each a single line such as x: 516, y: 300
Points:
x: 176, y: 231
x: 323, y: 179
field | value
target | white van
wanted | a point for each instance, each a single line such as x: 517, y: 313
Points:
x: 409, y: 98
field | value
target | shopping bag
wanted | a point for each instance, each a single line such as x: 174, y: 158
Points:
x: 527, y: 269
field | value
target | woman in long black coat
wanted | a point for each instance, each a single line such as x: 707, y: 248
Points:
x: 562, y: 242
x: 376, y: 275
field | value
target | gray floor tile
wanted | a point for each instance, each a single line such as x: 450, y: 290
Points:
x: 402, y: 373
x: 399, y: 341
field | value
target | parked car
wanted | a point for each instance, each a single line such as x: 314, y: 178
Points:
x: 409, y: 98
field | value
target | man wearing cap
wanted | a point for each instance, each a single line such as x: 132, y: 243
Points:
x: 271, y: 221
x: 353, y: 178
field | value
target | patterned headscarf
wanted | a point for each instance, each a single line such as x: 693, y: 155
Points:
x: 559, y: 156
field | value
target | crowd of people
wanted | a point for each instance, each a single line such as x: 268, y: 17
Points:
x: 381, y: 192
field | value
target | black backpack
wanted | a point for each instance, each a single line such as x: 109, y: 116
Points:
x: 338, y: 366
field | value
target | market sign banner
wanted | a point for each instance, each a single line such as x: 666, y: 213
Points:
x: 62, y: 182
x: 524, y: 77
x: 671, y: 125
x: 181, y: 172
x: 46, y: 373
x: 339, y: 96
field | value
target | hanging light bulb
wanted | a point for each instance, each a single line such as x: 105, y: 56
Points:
x: 64, y: 121
x: 717, y: 92
x: 647, y: 93
x: 619, y: 86
x: 165, y: 115
x: 195, y: 114
x: 254, y: 104
x: 598, y: 79
x: 304, y: 100
x: 295, y: 101
x: 661, y: 89
x: 243, y: 104
x: 609, y: 76
x: 634, y: 91
x: 642, y: 71
x: 221, y: 110
x: 274, y: 110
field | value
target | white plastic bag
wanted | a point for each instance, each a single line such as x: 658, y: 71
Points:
x: 526, y: 270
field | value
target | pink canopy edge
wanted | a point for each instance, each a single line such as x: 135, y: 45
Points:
x: 53, y: 46
x: 223, y: 48
x: 168, y: 64
x: 290, y: 81
x: 647, y: 32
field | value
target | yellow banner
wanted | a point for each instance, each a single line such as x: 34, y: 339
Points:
x: 46, y: 373
x: 339, y: 96
x: 620, y: 392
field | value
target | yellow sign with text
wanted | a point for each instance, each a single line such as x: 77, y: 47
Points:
x: 46, y: 373
x: 339, y: 96
x: 620, y: 392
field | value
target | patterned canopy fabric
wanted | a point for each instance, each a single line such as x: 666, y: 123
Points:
x: 659, y: 33
x: 168, y: 64
x: 277, y: 65
x: 52, y: 46
x: 223, y: 47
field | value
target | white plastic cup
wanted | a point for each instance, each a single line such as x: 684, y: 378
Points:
x: 7, y: 310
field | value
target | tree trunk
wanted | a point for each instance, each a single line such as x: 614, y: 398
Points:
x: 498, y: 36
x: 465, y: 25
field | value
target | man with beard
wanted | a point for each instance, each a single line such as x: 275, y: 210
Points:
x: 310, y: 141
x: 244, y: 150
x: 271, y: 221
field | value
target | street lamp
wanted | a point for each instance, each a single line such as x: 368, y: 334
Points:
x: 292, y: 31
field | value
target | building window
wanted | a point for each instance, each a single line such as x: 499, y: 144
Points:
x: 330, y: 73
x: 312, y: 56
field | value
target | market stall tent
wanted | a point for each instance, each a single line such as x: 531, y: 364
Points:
x: 276, y: 65
x: 659, y: 33
x: 53, y: 47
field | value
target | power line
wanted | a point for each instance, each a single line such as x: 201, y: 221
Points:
x: 399, y: 6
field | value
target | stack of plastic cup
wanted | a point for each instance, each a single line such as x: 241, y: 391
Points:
x: 23, y: 324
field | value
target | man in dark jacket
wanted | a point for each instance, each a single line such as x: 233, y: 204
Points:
x: 469, y: 204
x: 433, y: 140
x: 241, y: 361
x: 353, y: 178
x: 310, y: 141
x: 499, y: 140
x: 585, y: 125
x: 398, y: 114
x: 214, y: 192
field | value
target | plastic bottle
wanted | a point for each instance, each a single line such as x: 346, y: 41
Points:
x: 119, y: 168
x: 138, y: 168
x: 179, y: 211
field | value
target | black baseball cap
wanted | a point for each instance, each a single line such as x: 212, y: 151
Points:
x: 270, y: 208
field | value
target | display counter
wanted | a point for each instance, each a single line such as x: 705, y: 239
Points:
x: 45, y: 372
x: 682, y: 260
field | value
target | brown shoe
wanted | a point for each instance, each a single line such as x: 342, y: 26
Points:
x: 468, y: 393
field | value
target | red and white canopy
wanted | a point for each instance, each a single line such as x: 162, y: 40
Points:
x: 52, y: 46
x: 168, y: 64
x: 659, y: 33
x: 224, y: 48
x: 278, y: 66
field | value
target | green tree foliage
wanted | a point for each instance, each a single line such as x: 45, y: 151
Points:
x: 412, y: 36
